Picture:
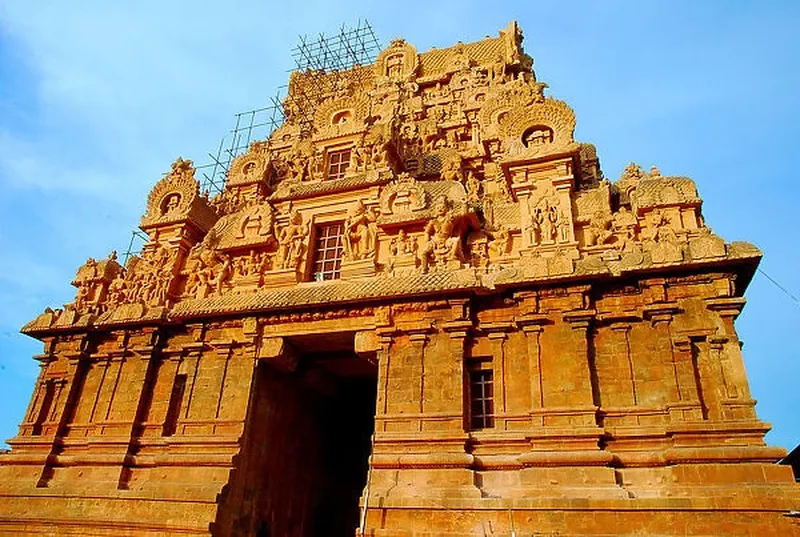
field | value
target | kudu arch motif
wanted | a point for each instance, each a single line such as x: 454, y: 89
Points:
x: 430, y: 222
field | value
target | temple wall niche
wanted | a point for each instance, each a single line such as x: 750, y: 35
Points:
x: 424, y: 251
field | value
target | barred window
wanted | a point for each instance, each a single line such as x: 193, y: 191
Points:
x: 482, y: 397
x: 338, y: 161
x: 329, y: 252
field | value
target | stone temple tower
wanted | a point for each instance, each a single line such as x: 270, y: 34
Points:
x: 418, y: 308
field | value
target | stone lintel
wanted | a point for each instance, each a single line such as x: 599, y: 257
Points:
x: 660, y: 311
x: 726, y: 306
x: 532, y: 322
x: 618, y: 317
x: 277, y: 352
x: 414, y: 328
x: 44, y: 358
x: 367, y: 342
x: 579, y: 319
x: 496, y: 329
x: 458, y: 329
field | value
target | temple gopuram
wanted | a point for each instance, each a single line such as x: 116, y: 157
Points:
x: 418, y: 308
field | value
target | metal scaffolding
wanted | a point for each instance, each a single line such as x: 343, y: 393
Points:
x: 325, y: 63
x: 329, y: 63
x: 138, y: 238
x: 349, y: 48
x: 252, y: 125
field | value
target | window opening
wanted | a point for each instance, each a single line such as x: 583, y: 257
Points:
x: 482, y: 398
x: 338, y: 161
x: 329, y: 252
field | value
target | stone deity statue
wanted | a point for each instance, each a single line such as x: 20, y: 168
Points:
x: 291, y: 242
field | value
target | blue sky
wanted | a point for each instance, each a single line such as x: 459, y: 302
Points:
x: 97, y: 99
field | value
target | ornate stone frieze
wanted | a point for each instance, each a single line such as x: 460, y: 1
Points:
x: 448, y: 161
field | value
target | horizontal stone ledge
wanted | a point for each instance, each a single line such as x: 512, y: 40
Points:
x: 416, y: 437
x: 563, y: 433
x: 497, y: 462
x: 180, y: 459
x: 698, y: 455
x: 421, y: 460
x: 566, y: 458
x: 111, y: 495
x: 188, y: 441
x: 24, y: 459
x: 636, y: 410
x: 87, y: 459
x: 697, y: 503
x: 564, y: 411
x: 710, y: 428
x: 419, y: 415
x: 44, y: 526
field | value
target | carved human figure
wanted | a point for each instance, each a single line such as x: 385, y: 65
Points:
x: 410, y: 142
x: 624, y: 226
x: 116, y: 290
x: 379, y: 152
x: 254, y: 262
x: 444, y: 238
x: 357, y: 158
x: 550, y: 223
x: 291, y: 241
x: 171, y: 203
x: 264, y: 263
x: 82, y: 298
x: 240, y: 266
x: 599, y: 231
x: 500, y: 244
x: 360, y: 231
x: 452, y: 170
x: 298, y: 167
x: 473, y: 187
x: 479, y: 251
x: 224, y: 272
x: 402, y: 244
x: 497, y: 70
x: 658, y: 228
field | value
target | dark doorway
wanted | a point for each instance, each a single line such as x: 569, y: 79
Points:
x: 304, y: 462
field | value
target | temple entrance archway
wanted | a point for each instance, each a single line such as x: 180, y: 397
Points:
x: 305, y: 457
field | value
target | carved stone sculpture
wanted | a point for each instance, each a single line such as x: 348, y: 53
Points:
x: 445, y: 236
x: 360, y: 232
x: 292, y: 242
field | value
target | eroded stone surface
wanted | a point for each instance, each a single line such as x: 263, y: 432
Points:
x: 417, y: 231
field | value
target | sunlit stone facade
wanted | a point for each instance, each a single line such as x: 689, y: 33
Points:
x: 418, y: 308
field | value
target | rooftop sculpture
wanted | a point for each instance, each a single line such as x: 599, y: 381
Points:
x: 423, y: 254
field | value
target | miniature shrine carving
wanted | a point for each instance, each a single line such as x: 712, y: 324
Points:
x: 417, y: 307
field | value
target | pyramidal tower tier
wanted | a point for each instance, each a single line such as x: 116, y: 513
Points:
x: 418, y: 308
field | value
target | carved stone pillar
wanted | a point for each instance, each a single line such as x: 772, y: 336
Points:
x: 532, y: 325
x: 457, y: 332
x: 584, y: 394
x: 691, y: 404
x: 656, y: 391
x: 420, y: 440
x: 738, y: 403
